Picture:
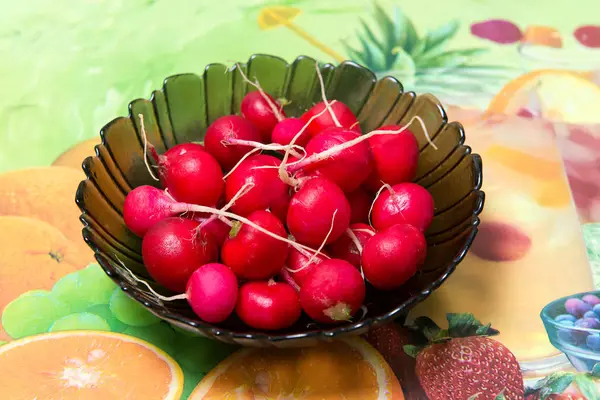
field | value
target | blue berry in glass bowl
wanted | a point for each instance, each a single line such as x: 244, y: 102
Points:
x: 577, y: 307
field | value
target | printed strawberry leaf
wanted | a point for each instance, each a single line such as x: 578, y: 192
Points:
x: 500, y: 396
x: 426, y: 326
x: 465, y: 325
x: 587, y: 387
x: 555, y: 383
x: 411, y: 350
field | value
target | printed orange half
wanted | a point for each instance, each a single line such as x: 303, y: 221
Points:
x: 87, y: 365
x: 349, y: 369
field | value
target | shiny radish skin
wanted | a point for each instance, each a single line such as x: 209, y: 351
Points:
x: 212, y: 292
x: 174, y: 248
x: 360, y: 204
x: 396, y: 157
x: 226, y: 128
x: 344, y: 115
x: 311, y: 211
x: 391, y: 257
x: 297, y: 264
x: 268, y: 192
x: 345, y: 249
x: 405, y: 203
x: 252, y: 254
x: 144, y: 207
x: 268, y: 306
x: 287, y: 129
x: 257, y: 110
x: 191, y: 176
x: 332, y: 292
x: 348, y: 168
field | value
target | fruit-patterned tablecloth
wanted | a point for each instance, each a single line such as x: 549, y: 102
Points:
x: 522, y: 77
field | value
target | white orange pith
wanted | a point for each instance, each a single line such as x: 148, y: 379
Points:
x: 87, y: 365
x: 349, y: 369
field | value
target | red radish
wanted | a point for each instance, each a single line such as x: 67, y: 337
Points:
x: 396, y: 157
x: 391, y: 257
x: 212, y: 292
x: 406, y: 203
x: 144, y: 206
x: 345, y: 248
x: 332, y: 292
x: 311, y: 211
x: 252, y: 254
x: 184, y: 169
x: 189, y: 146
x: 217, y: 228
x: 360, y: 204
x: 297, y: 264
x: 263, y: 111
x: 287, y: 129
x: 227, y: 128
x: 343, y: 116
x: 268, y: 306
x: 348, y: 168
x: 268, y: 190
x: 174, y: 248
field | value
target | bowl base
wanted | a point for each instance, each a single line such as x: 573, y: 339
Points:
x: 538, y: 369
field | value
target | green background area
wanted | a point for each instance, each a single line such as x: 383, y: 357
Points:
x: 70, y: 67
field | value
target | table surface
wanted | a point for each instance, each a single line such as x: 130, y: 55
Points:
x: 70, y: 67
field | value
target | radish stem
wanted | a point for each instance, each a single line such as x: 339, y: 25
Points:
x: 385, y: 186
x: 356, y: 242
x: 314, y: 255
x: 143, y: 129
x: 336, y: 149
x: 243, y: 190
x: 272, y: 106
x: 181, y: 296
x: 282, y: 168
x: 327, y: 104
x: 285, y: 275
x: 262, y: 146
x: 179, y: 208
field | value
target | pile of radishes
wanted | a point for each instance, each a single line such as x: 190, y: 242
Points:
x: 273, y: 216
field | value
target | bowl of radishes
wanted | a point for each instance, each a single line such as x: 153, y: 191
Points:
x: 276, y: 204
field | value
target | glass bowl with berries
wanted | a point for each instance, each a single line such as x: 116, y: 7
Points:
x: 573, y: 326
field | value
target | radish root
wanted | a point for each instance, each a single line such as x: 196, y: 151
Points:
x: 272, y: 106
x: 248, y: 154
x: 336, y: 149
x: 143, y: 129
x: 181, y: 296
x: 323, y: 95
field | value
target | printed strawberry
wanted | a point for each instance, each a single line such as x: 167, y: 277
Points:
x: 463, y: 363
x: 567, y: 386
x: 390, y: 340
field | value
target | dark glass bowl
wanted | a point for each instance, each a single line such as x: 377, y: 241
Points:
x: 188, y: 103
